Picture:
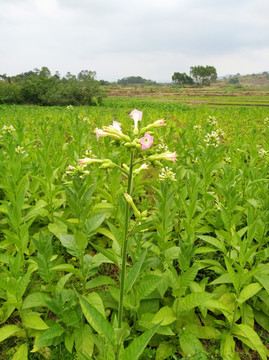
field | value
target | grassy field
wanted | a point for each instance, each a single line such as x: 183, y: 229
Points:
x: 196, y: 279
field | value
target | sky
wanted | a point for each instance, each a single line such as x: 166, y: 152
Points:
x: 120, y: 38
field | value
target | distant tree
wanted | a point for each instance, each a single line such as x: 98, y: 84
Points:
x: 182, y: 79
x: 203, y: 75
x: 40, y: 87
x: 135, y: 80
x: 233, y: 80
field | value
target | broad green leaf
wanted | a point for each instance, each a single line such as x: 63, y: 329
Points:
x: 68, y: 241
x: 213, y: 241
x: 33, y: 321
x: 101, y: 325
x: 164, y: 350
x: 57, y: 228
x: 134, y: 273
x: 84, y: 342
x: 222, y: 279
x: 136, y: 348
x: 93, y: 223
x: 67, y: 268
x: 164, y: 316
x: 109, y: 253
x: 264, y: 280
x: 249, y: 291
x: 80, y: 240
x: 36, y: 210
x: 262, y: 319
x: 148, y: 285
x: 233, y: 275
x: 61, y: 283
x: 35, y: 299
x: 7, y: 331
x: 252, y: 339
x: 191, y: 346
x: 100, y: 281
x: 227, y: 345
x: 21, y: 353
x: 203, y: 332
x: 45, y: 339
x: 183, y: 305
x: 95, y: 300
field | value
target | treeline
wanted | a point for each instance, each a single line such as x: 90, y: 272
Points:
x: 135, y: 80
x: 40, y: 87
x: 201, y: 75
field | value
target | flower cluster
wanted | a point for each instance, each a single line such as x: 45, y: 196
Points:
x: 197, y: 127
x: 7, y: 129
x: 114, y: 131
x: 262, y: 152
x: 69, y: 107
x: 80, y: 169
x: 266, y: 121
x: 20, y: 150
x: 212, y: 120
x: 213, y: 138
x: 167, y: 174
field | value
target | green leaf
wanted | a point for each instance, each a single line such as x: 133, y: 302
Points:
x: 7, y: 331
x: 21, y: 353
x: 183, y: 305
x: 35, y: 299
x: 80, y: 240
x: 33, y: 321
x: 233, y: 275
x: 227, y: 345
x: 164, y: 350
x: 36, y: 210
x: 262, y: 319
x: 191, y: 346
x: 83, y: 341
x: 249, y: 291
x: 134, y: 273
x: 203, y: 332
x: 109, y: 253
x: 148, y: 285
x: 93, y: 223
x: 264, y: 280
x: 100, y: 281
x: 252, y: 339
x: 136, y: 348
x: 164, y: 316
x: 68, y: 241
x: 45, y: 339
x: 213, y: 241
x: 101, y: 325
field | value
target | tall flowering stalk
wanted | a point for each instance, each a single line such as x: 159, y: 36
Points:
x: 139, y: 161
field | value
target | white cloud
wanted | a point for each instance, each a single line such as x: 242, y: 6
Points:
x: 151, y: 38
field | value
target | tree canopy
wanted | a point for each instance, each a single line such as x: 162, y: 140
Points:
x: 203, y: 75
x: 135, y: 80
x: 40, y: 87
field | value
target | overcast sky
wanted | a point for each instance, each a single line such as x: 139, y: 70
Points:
x: 148, y: 38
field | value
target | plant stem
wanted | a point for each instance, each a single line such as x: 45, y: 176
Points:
x: 124, y: 244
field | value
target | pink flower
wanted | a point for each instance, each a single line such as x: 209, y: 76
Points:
x: 146, y: 141
x: 168, y: 155
x: 116, y: 126
x: 101, y: 133
x: 136, y: 115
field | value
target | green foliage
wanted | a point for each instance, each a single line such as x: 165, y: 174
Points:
x: 40, y: 87
x: 135, y: 80
x: 197, y: 271
x: 203, y: 74
x: 182, y: 79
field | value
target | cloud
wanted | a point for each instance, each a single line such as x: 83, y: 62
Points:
x: 153, y: 37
